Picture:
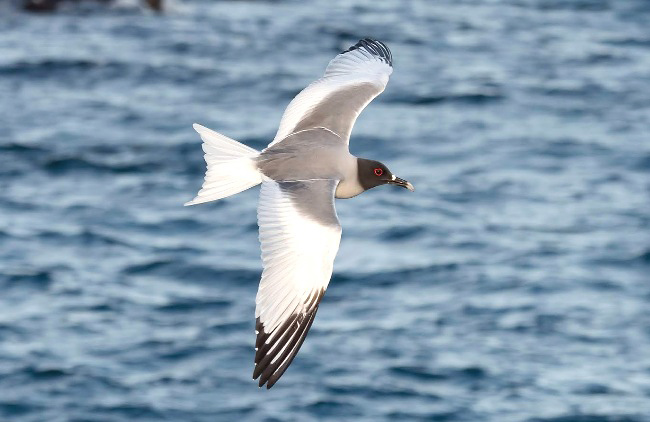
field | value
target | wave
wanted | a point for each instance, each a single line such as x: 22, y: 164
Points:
x: 179, y: 270
x: 59, y: 67
x: 468, y: 98
x: 38, y: 279
x: 68, y: 165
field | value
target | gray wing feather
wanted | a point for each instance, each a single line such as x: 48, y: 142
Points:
x: 352, y: 79
x: 299, y: 235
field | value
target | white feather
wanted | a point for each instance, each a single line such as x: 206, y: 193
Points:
x: 230, y: 167
x: 344, y: 75
x: 298, y: 255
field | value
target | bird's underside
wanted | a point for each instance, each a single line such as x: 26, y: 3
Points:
x: 299, y: 236
x: 301, y: 172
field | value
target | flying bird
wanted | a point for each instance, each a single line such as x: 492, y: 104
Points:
x: 305, y: 167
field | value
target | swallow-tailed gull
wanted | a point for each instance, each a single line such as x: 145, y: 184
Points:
x: 302, y: 170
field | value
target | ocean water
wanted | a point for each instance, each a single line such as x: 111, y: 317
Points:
x: 513, y: 285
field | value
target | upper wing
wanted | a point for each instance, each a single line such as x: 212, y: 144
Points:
x: 352, y: 79
x: 300, y: 235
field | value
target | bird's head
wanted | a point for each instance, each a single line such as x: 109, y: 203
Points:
x: 373, y: 173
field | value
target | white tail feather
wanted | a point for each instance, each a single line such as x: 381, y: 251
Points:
x: 231, y: 167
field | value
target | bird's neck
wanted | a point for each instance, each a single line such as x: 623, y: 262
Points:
x: 349, y: 186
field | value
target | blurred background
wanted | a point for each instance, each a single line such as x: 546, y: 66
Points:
x: 513, y: 285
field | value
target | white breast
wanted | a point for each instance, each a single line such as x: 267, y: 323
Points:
x: 349, y: 186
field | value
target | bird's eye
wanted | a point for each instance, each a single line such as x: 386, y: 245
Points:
x: 379, y: 171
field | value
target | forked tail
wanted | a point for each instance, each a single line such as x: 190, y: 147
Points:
x: 231, y: 167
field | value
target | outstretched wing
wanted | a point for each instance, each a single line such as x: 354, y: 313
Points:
x: 352, y: 79
x: 300, y: 235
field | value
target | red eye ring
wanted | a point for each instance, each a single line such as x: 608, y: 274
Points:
x: 379, y: 171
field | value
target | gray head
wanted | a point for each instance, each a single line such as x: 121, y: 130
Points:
x: 373, y: 173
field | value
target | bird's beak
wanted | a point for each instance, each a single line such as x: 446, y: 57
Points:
x: 401, y: 182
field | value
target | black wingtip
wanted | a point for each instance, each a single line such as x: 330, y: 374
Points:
x: 374, y: 47
x: 292, y: 334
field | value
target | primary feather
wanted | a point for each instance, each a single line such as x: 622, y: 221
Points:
x: 352, y: 79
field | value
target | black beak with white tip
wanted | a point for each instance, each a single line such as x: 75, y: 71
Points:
x: 401, y: 182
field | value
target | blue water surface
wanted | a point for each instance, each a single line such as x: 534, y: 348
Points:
x: 513, y: 285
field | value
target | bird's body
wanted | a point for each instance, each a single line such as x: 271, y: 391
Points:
x: 302, y: 171
x: 327, y: 154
